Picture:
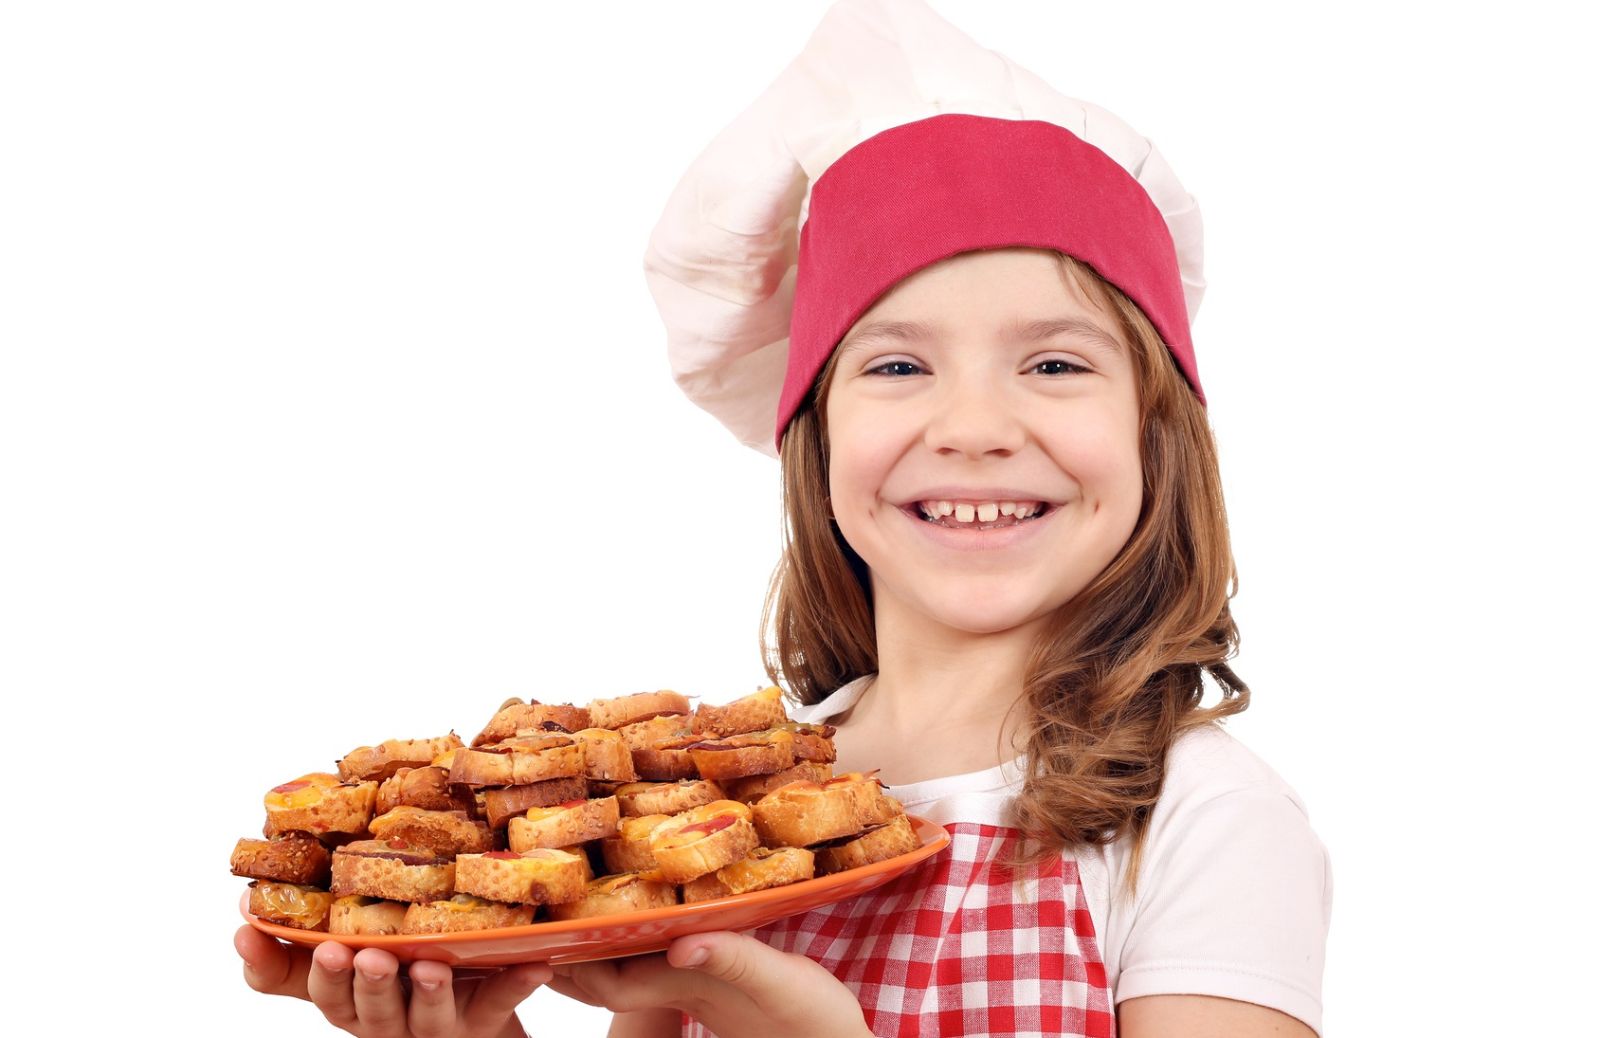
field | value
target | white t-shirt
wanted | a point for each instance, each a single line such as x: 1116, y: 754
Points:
x: 1235, y: 892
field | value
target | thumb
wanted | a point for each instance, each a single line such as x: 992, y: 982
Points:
x: 735, y: 958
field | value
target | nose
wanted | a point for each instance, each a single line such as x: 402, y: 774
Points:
x: 973, y: 419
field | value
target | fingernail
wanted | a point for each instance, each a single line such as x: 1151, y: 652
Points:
x: 374, y: 977
x: 697, y: 958
x: 428, y: 985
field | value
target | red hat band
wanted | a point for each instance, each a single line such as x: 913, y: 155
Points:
x: 924, y: 191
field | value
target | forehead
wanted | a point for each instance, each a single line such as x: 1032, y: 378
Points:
x: 1016, y: 295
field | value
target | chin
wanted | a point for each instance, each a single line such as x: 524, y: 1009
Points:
x: 979, y: 614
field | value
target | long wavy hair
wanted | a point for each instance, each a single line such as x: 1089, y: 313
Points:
x: 1115, y: 677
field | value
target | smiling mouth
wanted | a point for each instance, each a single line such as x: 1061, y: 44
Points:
x: 986, y: 516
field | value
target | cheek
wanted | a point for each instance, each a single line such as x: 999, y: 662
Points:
x: 1103, y: 457
x: 858, y: 470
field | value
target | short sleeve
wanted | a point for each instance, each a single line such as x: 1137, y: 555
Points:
x: 1234, y: 899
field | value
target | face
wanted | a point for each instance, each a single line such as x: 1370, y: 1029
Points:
x: 985, y: 382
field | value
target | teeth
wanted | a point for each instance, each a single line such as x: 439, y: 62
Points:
x: 984, y: 512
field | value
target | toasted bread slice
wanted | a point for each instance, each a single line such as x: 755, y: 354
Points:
x: 379, y: 762
x: 464, y: 912
x: 644, y: 734
x: 629, y: 849
x: 392, y: 869
x: 804, y: 813
x: 355, y: 914
x: 705, y: 888
x: 428, y: 788
x: 813, y: 742
x: 879, y: 843
x: 563, y: 825
x: 606, y: 757
x: 740, y: 756
x: 501, y: 805
x: 667, y: 760
x: 515, y: 714
x: 290, y: 904
x: 766, y: 868
x: 444, y: 832
x: 319, y: 804
x: 520, y: 761
x: 642, y: 706
x: 753, y: 713
x: 666, y: 798
x: 872, y: 806
x: 291, y: 858
x: 749, y: 790
x: 610, y: 895
x: 542, y: 876
x: 702, y: 840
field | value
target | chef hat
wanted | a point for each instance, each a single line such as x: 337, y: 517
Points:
x: 891, y: 142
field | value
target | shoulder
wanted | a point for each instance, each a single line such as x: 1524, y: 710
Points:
x: 1206, y: 763
x: 1222, y: 805
x: 1234, y: 890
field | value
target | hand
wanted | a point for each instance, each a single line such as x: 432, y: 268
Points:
x: 361, y: 993
x: 741, y: 988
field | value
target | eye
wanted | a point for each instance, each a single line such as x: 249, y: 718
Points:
x: 894, y: 368
x: 1057, y: 366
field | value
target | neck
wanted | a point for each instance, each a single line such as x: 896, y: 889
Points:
x: 948, y: 687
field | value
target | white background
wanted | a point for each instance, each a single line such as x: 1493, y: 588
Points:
x: 334, y: 408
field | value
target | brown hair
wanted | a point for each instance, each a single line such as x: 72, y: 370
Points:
x: 1116, y: 676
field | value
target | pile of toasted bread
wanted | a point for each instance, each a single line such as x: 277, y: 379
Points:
x: 559, y: 811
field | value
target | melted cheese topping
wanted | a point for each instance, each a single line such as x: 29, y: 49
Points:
x: 306, y: 905
x: 302, y: 792
x: 461, y: 903
x: 357, y: 901
x: 611, y: 884
x: 701, y: 823
x: 539, y: 856
x: 640, y: 828
x: 537, y: 814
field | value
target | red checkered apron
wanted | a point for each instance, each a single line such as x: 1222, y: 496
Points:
x: 960, y: 946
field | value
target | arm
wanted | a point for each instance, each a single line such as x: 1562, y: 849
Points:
x: 1202, y: 1016
x: 647, y: 1023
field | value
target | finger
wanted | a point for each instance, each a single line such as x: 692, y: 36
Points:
x: 270, y: 966
x: 433, y: 1000
x: 569, y: 987
x: 330, y: 983
x: 637, y: 982
x: 380, y: 1007
x: 759, y: 970
x: 498, y: 996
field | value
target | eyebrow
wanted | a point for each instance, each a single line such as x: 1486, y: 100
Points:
x: 1025, y: 331
x: 1036, y: 331
x: 898, y: 331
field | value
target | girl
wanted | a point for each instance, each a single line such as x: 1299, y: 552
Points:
x: 1006, y: 572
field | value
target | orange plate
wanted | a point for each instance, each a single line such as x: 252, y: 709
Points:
x: 630, y: 933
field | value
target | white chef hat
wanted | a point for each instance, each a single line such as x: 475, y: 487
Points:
x: 932, y: 145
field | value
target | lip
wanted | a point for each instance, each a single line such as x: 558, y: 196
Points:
x: 949, y: 493
x: 976, y: 493
x: 978, y: 540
